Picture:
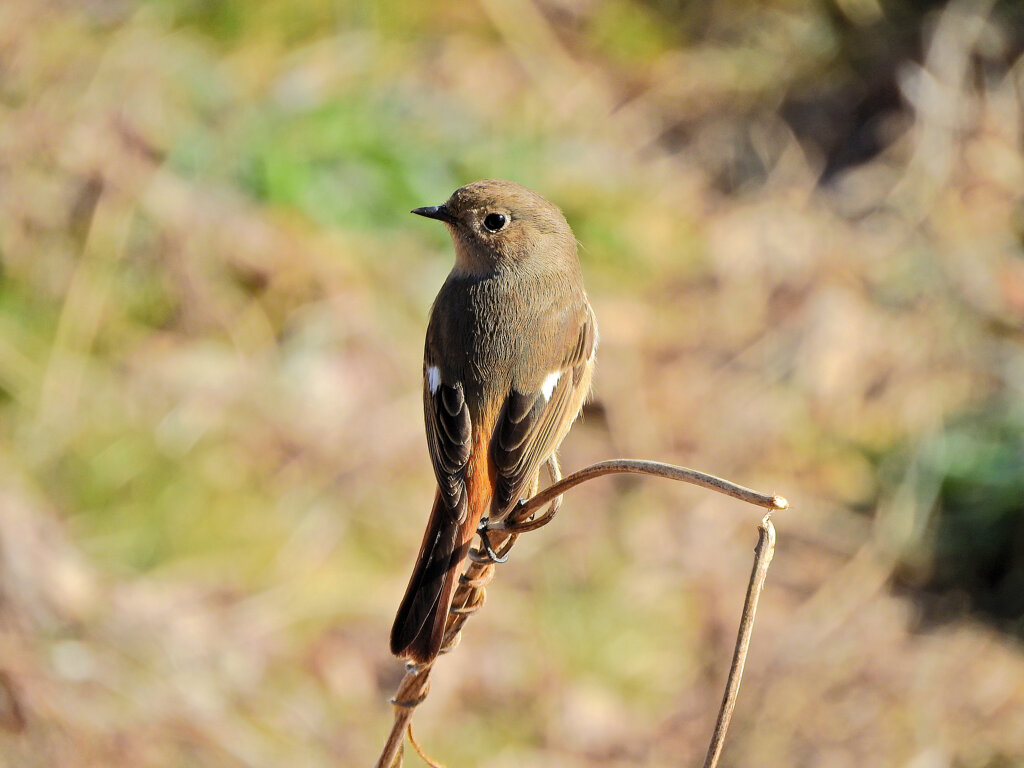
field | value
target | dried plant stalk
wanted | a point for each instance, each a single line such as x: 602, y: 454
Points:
x: 634, y: 467
x: 763, y: 553
x: 501, y: 535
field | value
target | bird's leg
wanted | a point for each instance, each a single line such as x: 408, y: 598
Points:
x: 481, y: 531
x: 485, y: 527
x: 513, y: 524
x: 517, y: 523
x: 555, y: 474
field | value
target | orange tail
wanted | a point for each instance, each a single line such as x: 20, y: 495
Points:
x: 419, y: 625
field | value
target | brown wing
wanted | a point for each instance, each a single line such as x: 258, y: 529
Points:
x: 532, y: 423
x: 419, y: 624
x: 449, y: 433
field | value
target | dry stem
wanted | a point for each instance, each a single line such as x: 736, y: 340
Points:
x: 470, y: 595
x: 763, y: 553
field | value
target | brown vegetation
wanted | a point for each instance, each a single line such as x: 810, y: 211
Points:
x: 211, y: 313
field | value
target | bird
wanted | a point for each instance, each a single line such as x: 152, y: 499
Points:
x: 508, y: 361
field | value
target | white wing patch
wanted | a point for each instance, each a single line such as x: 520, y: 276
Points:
x: 550, y: 383
x: 433, y: 379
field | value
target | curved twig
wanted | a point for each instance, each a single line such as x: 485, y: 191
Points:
x: 763, y: 553
x: 635, y: 467
x: 469, y: 596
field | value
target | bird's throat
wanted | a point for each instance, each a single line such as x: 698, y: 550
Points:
x: 470, y: 258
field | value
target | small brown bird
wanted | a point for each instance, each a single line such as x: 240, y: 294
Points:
x: 509, y: 355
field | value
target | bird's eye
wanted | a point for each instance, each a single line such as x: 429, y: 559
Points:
x: 494, y: 221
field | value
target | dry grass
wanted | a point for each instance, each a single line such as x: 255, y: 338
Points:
x: 211, y: 311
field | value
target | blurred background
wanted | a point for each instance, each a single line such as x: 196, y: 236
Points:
x: 801, y: 229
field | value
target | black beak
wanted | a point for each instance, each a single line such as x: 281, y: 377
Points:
x: 438, y: 212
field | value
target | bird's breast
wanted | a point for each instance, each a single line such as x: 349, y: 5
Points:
x: 478, y: 330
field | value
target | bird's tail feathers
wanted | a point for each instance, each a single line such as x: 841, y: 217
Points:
x: 419, y: 625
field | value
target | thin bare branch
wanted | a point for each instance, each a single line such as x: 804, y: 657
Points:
x: 763, y: 553
x: 419, y: 750
x: 411, y: 692
x: 391, y: 756
x: 636, y: 467
x: 470, y: 594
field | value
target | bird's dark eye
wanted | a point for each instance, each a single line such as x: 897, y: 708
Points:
x: 494, y: 221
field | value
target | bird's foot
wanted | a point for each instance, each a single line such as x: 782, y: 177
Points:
x: 482, y: 533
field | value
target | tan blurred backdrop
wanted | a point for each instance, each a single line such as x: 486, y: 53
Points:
x: 801, y: 229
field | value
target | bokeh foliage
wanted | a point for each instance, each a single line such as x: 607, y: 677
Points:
x: 801, y: 230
